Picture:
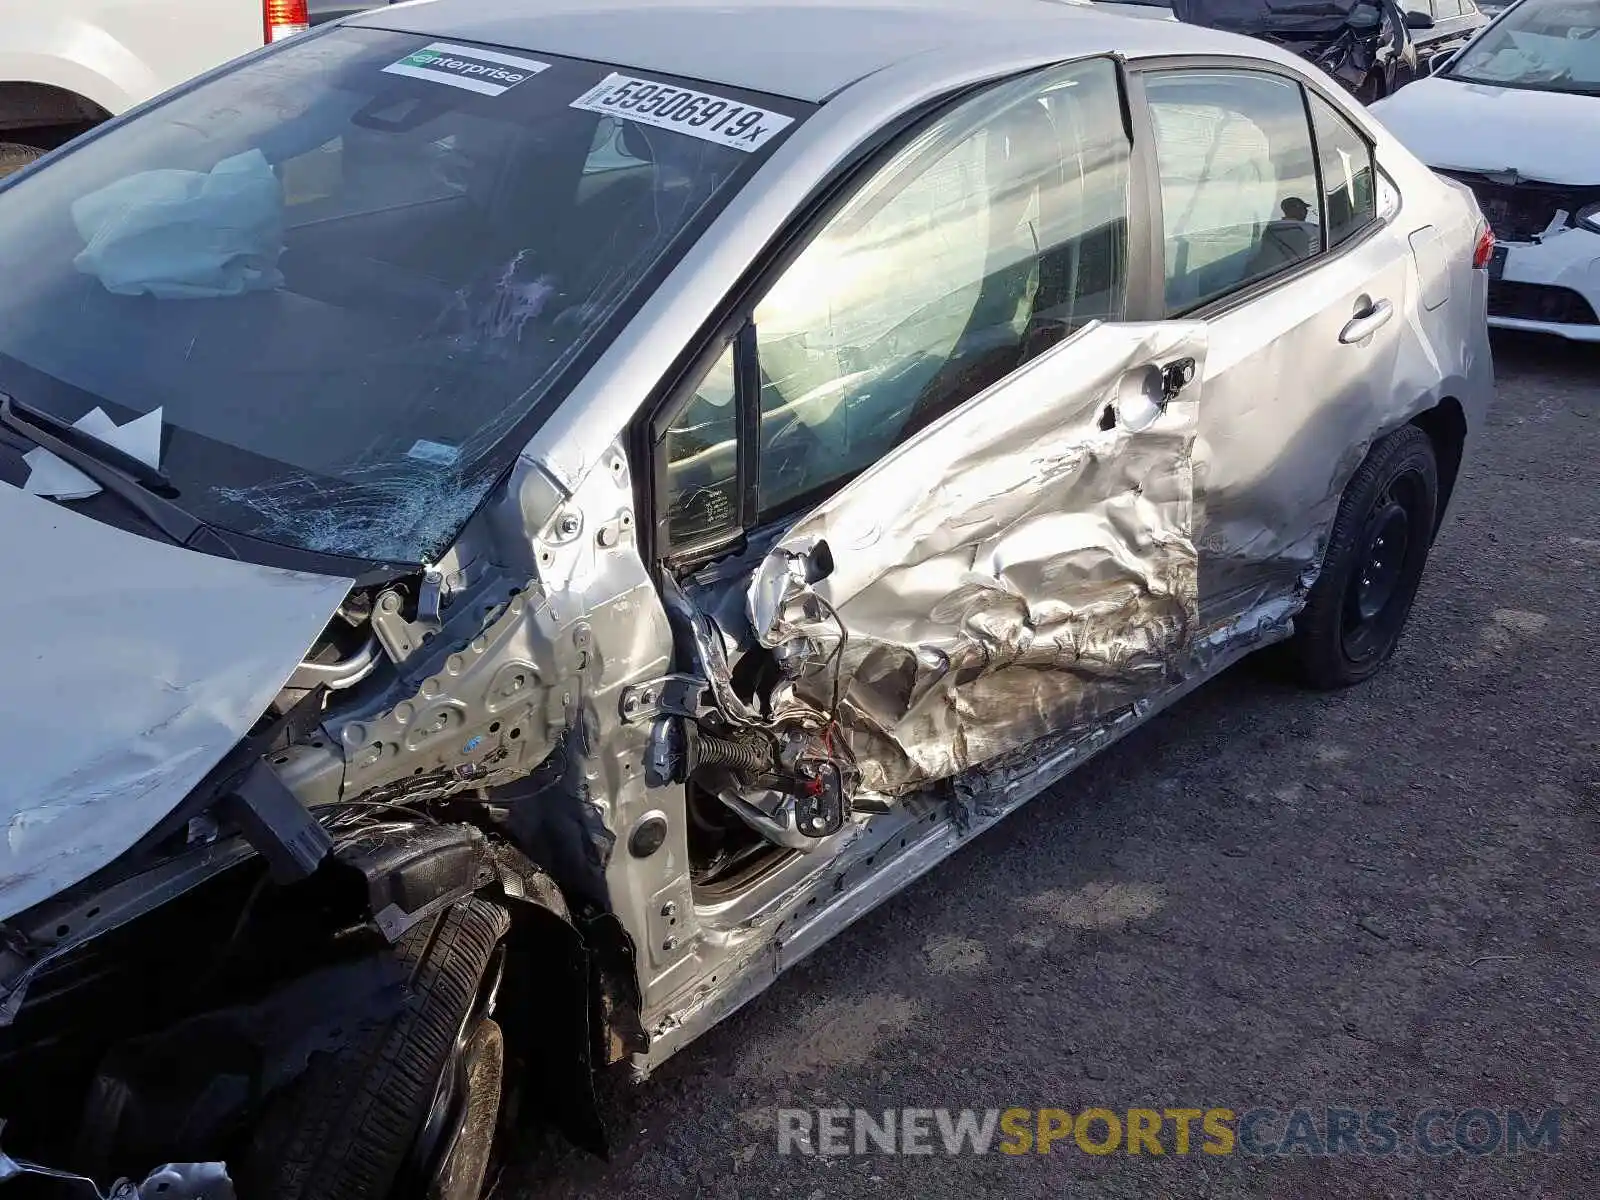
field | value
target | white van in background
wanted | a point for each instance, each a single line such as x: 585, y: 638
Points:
x: 68, y: 64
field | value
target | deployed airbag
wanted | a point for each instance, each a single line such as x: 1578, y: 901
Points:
x: 185, y: 234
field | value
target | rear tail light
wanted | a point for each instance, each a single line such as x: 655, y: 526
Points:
x: 284, y: 18
x: 1484, y: 250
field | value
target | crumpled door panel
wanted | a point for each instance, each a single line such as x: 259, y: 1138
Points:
x: 1024, y: 566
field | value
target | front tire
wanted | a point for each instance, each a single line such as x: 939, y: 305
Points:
x: 1376, y: 552
x: 407, y: 1106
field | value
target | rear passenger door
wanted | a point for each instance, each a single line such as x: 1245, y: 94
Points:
x: 1272, y: 235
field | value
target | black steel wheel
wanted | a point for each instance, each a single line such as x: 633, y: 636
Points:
x: 1376, y: 553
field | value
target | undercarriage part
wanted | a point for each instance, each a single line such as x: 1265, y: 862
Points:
x: 726, y: 852
x: 412, y: 871
x: 772, y: 814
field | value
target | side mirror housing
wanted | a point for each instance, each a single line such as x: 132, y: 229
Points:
x: 1419, y: 20
x: 1441, y: 60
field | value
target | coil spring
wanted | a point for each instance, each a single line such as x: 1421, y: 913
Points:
x: 722, y: 752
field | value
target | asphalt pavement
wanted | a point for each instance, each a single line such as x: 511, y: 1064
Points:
x: 1382, y: 900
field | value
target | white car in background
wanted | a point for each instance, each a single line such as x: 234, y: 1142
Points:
x: 1516, y: 117
x: 67, y: 65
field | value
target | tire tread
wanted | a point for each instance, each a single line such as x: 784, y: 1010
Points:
x: 343, y: 1130
x: 1318, y: 653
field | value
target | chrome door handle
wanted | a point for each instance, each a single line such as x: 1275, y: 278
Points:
x: 1368, y: 323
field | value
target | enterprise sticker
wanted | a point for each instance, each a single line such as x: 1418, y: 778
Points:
x: 699, y: 114
x: 487, y: 72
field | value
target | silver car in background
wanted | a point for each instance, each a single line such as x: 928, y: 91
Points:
x: 527, y: 519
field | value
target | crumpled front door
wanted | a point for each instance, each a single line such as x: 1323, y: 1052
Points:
x: 1023, y: 567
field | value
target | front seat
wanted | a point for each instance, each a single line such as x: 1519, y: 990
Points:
x: 1022, y: 168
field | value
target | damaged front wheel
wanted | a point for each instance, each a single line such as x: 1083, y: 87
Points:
x: 409, y: 1104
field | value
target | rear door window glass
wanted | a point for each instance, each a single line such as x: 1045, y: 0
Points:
x: 1349, y: 177
x: 1238, y: 180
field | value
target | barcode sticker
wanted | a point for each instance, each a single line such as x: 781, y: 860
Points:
x: 698, y: 114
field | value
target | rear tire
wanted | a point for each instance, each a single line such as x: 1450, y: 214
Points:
x: 14, y: 156
x: 1376, y: 552
x: 348, y: 1129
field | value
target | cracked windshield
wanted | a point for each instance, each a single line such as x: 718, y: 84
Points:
x: 348, y: 273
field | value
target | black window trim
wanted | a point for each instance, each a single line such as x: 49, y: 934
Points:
x: 733, y: 322
x: 1220, y: 305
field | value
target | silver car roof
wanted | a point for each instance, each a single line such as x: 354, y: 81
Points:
x: 802, y: 49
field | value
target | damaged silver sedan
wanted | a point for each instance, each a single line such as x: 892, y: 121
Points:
x: 526, y: 520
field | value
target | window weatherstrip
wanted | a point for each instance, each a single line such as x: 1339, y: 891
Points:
x: 747, y: 396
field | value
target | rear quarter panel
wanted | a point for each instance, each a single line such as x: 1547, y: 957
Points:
x: 1446, y: 355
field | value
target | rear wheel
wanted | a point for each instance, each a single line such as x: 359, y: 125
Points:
x: 408, y: 1107
x: 1376, y: 553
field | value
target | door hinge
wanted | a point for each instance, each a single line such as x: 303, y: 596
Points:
x: 683, y: 695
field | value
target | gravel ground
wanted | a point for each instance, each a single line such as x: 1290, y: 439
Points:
x: 1265, y: 899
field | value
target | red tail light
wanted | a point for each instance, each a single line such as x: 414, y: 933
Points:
x: 1485, y: 248
x: 284, y: 18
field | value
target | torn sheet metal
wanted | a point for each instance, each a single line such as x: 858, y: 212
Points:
x: 1025, y: 567
x: 174, y: 1181
x: 155, y: 660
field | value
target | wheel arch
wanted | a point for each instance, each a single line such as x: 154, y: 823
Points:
x: 571, y: 1002
x: 1446, y: 426
x: 25, y: 105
